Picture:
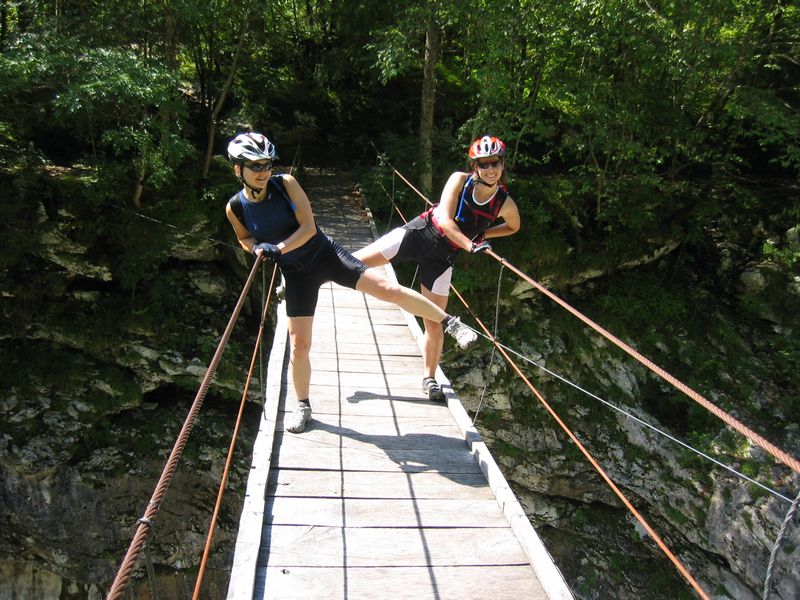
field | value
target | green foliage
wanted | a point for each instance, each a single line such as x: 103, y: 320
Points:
x: 631, y: 126
x: 490, y: 418
x: 640, y: 297
x: 787, y: 257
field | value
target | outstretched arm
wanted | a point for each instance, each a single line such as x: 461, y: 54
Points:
x: 511, y: 221
x: 246, y: 239
x: 303, y: 214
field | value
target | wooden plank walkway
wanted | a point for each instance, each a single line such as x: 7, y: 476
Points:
x: 385, y: 495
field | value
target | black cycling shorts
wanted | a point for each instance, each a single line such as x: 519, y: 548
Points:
x: 303, y: 279
x: 419, y: 242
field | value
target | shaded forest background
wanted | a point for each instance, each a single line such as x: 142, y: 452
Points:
x: 654, y: 149
x: 632, y: 126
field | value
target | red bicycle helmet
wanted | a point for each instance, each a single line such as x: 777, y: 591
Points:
x: 487, y: 146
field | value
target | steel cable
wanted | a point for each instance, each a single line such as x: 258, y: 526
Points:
x: 234, y: 435
x: 718, y: 412
x: 146, y: 522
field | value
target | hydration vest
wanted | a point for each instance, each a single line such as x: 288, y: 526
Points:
x: 472, y: 218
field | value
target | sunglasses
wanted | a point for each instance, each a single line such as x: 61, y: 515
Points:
x: 488, y: 165
x: 258, y: 167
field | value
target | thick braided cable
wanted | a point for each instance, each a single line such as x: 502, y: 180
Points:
x: 656, y: 538
x: 229, y: 460
x: 146, y: 522
x: 724, y: 416
x: 751, y: 435
x: 778, y: 543
x: 674, y: 559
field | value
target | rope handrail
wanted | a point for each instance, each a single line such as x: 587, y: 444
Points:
x: 644, y: 423
x: 400, y: 175
x: 727, y: 418
x: 145, y: 523
x: 234, y: 435
x: 656, y: 538
x: 724, y: 416
x: 777, y: 546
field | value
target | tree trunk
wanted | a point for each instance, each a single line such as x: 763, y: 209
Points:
x: 212, y: 126
x: 140, y: 175
x: 171, y: 60
x: 426, y: 110
x: 3, y: 24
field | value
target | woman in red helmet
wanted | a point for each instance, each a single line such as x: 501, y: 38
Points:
x: 272, y: 218
x: 462, y: 220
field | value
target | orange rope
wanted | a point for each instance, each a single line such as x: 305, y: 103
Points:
x: 724, y: 416
x: 656, y: 538
x: 229, y: 460
x: 146, y: 522
x: 400, y: 175
x: 752, y: 436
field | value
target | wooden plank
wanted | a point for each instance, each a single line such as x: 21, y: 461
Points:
x: 329, y: 400
x: 407, y: 430
x: 384, y: 512
x: 366, y: 346
x: 367, y: 389
x: 352, y: 440
x: 346, y: 317
x: 315, y: 456
x: 359, y: 484
x: 365, y: 363
x: 304, y: 545
x: 498, y: 582
x: 248, y: 539
x: 325, y: 373
x: 385, y: 314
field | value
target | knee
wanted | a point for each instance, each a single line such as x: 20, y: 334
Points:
x: 301, y: 348
x: 390, y: 292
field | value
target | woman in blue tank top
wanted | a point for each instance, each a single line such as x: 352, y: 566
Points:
x: 272, y: 218
x: 462, y: 220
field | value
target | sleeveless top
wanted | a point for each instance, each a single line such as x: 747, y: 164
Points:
x: 472, y: 218
x: 273, y: 220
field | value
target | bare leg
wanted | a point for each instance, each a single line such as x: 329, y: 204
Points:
x: 376, y: 285
x: 434, y: 334
x: 371, y: 256
x: 300, y: 340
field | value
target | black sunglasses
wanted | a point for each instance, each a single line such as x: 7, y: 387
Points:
x: 258, y: 167
x: 488, y: 165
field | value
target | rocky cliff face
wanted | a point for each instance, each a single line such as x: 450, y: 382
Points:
x: 722, y: 527
x: 98, y: 376
x: 104, y: 346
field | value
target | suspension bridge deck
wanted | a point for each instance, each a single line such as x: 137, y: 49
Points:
x: 385, y: 495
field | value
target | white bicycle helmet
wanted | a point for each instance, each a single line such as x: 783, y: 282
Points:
x: 251, y: 147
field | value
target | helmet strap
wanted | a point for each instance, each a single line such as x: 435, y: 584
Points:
x: 478, y: 178
x: 254, y: 191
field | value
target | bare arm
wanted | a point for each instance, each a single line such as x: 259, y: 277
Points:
x: 511, y: 222
x: 303, y: 214
x: 246, y: 239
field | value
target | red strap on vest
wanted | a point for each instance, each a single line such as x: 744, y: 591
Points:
x: 431, y: 218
